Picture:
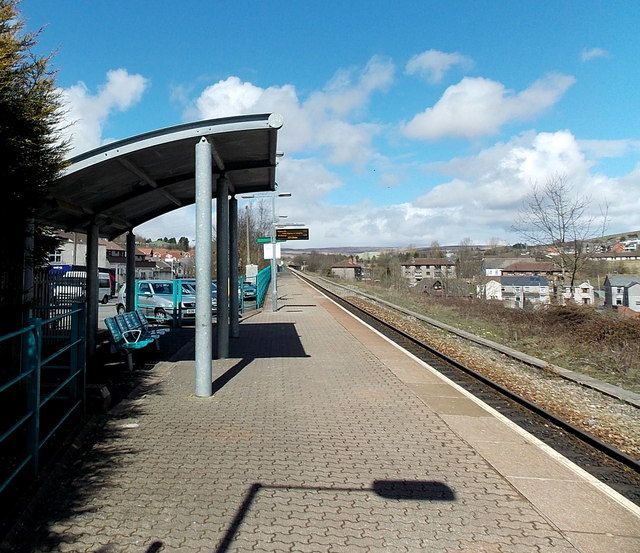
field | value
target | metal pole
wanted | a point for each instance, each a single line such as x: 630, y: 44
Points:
x: 274, y: 292
x: 92, y: 289
x: 203, y: 269
x: 130, y: 278
x: 234, y: 303
x: 248, y: 245
x: 222, y: 223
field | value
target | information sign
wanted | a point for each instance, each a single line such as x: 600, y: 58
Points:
x: 292, y: 234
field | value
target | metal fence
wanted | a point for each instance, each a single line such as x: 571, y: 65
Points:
x: 262, y: 283
x: 42, y: 383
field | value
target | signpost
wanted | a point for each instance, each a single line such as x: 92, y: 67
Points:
x: 265, y: 240
x: 292, y: 234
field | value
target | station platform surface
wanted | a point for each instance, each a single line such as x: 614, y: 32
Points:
x: 321, y: 436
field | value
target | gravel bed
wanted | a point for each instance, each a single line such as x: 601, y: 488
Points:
x: 612, y: 421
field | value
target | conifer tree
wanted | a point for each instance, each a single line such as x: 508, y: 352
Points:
x: 32, y: 153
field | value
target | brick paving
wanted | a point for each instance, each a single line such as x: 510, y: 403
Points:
x: 309, y: 444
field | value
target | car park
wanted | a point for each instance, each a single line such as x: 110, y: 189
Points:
x: 163, y: 299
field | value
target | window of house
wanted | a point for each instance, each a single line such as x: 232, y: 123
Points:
x: 618, y: 301
x: 620, y: 290
x: 585, y: 290
x: 55, y: 257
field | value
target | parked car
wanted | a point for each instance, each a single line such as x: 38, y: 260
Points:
x: 156, y: 299
x: 249, y: 291
x: 214, y: 287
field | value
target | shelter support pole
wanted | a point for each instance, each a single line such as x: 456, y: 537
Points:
x: 234, y: 304
x: 222, y: 212
x: 92, y: 289
x: 130, y: 278
x: 274, y: 267
x: 204, y: 332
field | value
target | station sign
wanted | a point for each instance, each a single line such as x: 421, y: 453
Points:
x: 265, y: 240
x: 292, y: 234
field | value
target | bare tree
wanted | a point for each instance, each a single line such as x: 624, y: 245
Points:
x: 554, y: 215
x: 469, y: 263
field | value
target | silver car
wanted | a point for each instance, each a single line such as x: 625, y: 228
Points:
x: 162, y: 299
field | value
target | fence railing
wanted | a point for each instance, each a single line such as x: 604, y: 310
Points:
x: 262, y: 283
x: 42, y: 384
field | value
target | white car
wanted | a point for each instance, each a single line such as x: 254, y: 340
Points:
x: 160, y: 299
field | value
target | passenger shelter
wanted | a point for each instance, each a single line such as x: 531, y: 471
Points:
x: 110, y: 190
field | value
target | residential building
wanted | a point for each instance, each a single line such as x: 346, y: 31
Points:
x: 493, y: 266
x: 425, y: 267
x: 582, y: 294
x: 347, y: 270
x: 630, y: 255
x: 520, y: 291
x: 73, y: 250
x: 622, y: 290
x: 532, y: 268
x: 491, y: 289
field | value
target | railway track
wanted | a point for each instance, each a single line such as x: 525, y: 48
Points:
x: 607, y: 463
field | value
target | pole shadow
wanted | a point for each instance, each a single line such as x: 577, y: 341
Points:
x: 411, y: 490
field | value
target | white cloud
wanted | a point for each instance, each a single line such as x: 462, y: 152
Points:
x: 86, y: 114
x: 488, y: 188
x: 478, y: 107
x: 589, y: 54
x: 479, y: 198
x: 610, y: 148
x: 433, y: 64
x: 321, y: 121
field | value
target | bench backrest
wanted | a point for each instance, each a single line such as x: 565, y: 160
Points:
x: 131, y: 321
x: 114, y: 330
x: 142, y: 319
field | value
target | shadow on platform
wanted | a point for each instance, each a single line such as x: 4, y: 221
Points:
x: 411, y: 490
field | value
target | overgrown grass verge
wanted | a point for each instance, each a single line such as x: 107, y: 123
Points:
x: 599, y: 343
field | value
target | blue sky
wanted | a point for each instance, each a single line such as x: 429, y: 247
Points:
x: 405, y: 122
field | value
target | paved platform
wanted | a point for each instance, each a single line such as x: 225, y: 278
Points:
x: 321, y: 436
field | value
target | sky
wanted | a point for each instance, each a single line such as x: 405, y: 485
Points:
x: 404, y: 122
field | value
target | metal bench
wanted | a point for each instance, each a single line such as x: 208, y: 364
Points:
x: 128, y: 336
x: 151, y: 329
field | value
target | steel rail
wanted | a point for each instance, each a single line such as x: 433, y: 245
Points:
x: 593, y: 441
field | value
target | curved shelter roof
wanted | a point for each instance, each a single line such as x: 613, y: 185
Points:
x: 129, y: 182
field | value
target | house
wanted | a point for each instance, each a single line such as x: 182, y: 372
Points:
x: 545, y: 269
x: 425, y: 267
x: 347, y: 270
x: 631, y: 255
x: 582, y: 294
x: 493, y: 289
x: 73, y: 250
x: 622, y: 290
x: 493, y: 266
x: 520, y: 291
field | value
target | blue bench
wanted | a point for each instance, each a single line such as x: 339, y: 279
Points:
x: 150, y: 329
x: 128, y: 333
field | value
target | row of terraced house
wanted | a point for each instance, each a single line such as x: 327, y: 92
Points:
x: 516, y: 282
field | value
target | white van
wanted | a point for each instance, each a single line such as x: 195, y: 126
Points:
x: 71, y: 287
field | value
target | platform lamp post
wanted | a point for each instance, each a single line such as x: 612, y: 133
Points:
x: 274, y: 195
